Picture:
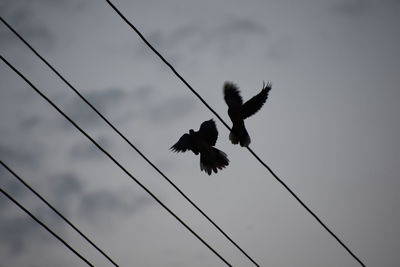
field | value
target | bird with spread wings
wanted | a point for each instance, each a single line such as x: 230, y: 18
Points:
x: 239, y: 111
x: 202, y: 142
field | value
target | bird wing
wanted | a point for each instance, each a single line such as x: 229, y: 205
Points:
x: 256, y: 102
x: 183, y: 144
x: 208, y: 131
x: 232, y: 95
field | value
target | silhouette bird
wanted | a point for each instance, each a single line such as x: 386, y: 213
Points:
x: 203, y: 142
x: 238, y: 111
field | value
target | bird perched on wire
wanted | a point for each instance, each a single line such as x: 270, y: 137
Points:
x: 203, y: 142
x: 238, y: 111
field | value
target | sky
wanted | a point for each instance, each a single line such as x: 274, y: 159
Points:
x: 329, y: 130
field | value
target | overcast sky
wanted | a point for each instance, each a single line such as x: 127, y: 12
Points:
x: 330, y: 129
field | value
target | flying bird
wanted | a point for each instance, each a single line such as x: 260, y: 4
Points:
x: 238, y: 111
x: 203, y: 142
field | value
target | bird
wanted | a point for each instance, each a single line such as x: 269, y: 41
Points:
x: 239, y: 111
x: 202, y: 142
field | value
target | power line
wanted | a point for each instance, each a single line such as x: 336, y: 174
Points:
x: 115, y: 161
x: 129, y: 142
x: 226, y: 125
x: 57, y: 212
x: 45, y: 227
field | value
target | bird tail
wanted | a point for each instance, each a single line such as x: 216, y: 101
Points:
x: 240, y: 135
x: 213, y: 160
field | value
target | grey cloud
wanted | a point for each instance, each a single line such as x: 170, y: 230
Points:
x: 22, y: 18
x: 142, y: 94
x: 13, y: 155
x: 19, y: 144
x: 233, y: 28
x: 172, y: 42
x: 241, y: 26
x: 354, y: 8
x: 25, y: 16
x: 281, y: 49
x: 60, y: 3
x: 98, y: 207
x: 350, y: 7
x: 234, y: 34
x: 40, y: 4
x: 387, y: 3
x: 146, y: 105
x: 173, y: 39
x: 183, y: 33
x: 21, y: 155
x: 65, y: 185
x: 165, y: 164
x: 64, y: 188
x: 229, y: 36
x: 394, y: 2
x: 17, y: 232
x: 171, y: 109
x: 103, y: 100
x: 136, y: 102
x: 30, y: 122
x: 120, y: 106
x: 106, y: 98
x: 10, y: 186
x: 87, y: 150
x: 102, y: 206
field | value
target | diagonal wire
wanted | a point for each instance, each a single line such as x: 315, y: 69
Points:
x: 45, y: 227
x: 129, y: 142
x: 226, y: 125
x: 115, y: 161
x: 57, y: 212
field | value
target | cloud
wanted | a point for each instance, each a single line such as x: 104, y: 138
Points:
x: 66, y: 184
x: 350, y: 7
x: 19, y: 146
x: 142, y: 94
x: 103, y: 100
x: 240, y: 26
x: 23, y: 19
x: 22, y: 155
x: 11, y: 187
x: 87, y: 150
x: 144, y: 103
x: 281, y: 49
x: 18, y: 232
x: 106, y: 98
x: 228, y: 37
x: 13, y: 155
x: 122, y: 106
x: 172, y: 44
x: 173, y: 39
x: 354, y: 8
x: 65, y: 188
x: 102, y: 207
x: 171, y: 109
x: 70, y: 195
x: 234, y: 35
x: 31, y: 122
